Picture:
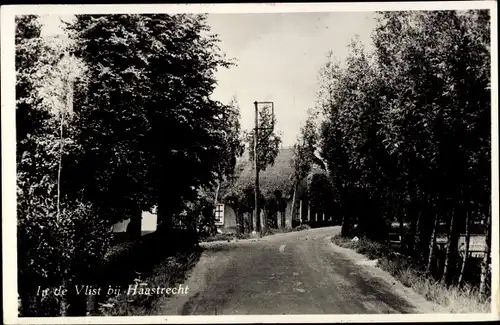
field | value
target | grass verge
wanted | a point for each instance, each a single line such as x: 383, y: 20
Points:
x: 453, y: 299
x: 267, y: 232
x: 168, y: 274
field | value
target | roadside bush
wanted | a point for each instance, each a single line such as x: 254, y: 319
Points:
x: 127, y: 261
x: 302, y: 227
x: 273, y: 231
x: 219, y: 237
x: 453, y: 298
x: 56, y: 250
x: 168, y: 273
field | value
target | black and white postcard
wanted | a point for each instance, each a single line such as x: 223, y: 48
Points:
x: 255, y: 163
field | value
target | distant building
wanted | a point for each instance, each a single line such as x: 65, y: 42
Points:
x: 148, y: 225
x: 277, y: 177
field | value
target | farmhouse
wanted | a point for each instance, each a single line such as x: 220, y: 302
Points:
x: 283, y: 204
x: 276, y: 184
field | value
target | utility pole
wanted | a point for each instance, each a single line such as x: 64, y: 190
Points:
x: 256, y: 159
x: 256, y: 164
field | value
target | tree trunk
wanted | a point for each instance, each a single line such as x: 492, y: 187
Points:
x: 25, y: 305
x: 450, y: 250
x: 294, y: 201
x: 77, y: 303
x: 64, y: 303
x: 485, y: 264
x: 346, y: 229
x: 216, y: 198
x: 251, y: 218
x: 432, y: 245
x: 59, y: 168
x: 246, y: 222
x: 254, y: 221
x: 416, y: 236
x: 401, y: 228
x: 425, y: 230
x: 300, y: 211
x: 241, y: 222
x: 263, y: 220
x: 164, y: 216
x: 134, y: 227
x: 466, y: 252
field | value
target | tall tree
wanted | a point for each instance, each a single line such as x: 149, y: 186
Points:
x: 417, y: 109
x: 268, y: 142
x: 160, y: 136
x: 60, y: 237
x: 304, y: 152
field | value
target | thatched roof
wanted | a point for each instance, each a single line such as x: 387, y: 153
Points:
x: 278, y: 176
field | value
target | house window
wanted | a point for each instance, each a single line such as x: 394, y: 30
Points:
x: 219, y: 214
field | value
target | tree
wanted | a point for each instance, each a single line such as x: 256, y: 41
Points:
x: 432, y: 124
x: 152, y: 76
x: 321, y: 194
x: 29, y: 59
x: 466, y: 249
x: 234, y: 146
x: 142, y: 114
x: 485, y: 263
x: 60, y: 238
x: 268, y: 142
x: 350, y: 141
x: 416, y: 109
x: 304, y: 152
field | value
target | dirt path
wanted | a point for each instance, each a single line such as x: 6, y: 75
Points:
x: 293, y: 273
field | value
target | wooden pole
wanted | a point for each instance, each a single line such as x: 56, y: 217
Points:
x: 300, y: 211
x: 255, y: 148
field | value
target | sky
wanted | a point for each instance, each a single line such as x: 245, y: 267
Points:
x: 278, y: 59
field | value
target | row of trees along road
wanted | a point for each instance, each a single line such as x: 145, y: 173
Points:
x: 406, y: 133
x: 113, y: 117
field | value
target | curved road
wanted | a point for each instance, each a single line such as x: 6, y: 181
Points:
x: 292, y: 273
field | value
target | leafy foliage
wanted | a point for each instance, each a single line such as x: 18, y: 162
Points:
x: 406, y: 132
x: 109, y: 116
x: 305, y: 148
x: 268, y: 142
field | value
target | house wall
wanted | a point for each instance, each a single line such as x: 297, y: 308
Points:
x: 148, y: 224
x: 288, y: 213
x: 229, y: 217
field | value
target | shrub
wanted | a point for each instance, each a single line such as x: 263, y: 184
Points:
x: 55, y: 250
x: 302, y: 227
x: 453, y: 298
x: 167, y: 273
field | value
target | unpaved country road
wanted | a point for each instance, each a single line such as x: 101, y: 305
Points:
x: 293, y: 273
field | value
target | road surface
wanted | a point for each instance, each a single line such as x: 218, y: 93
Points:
x: 293, y: 273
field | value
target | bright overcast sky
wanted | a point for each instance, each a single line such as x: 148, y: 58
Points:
x: 278, y: 59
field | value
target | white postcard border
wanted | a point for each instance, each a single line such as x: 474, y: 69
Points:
x: 9, y: 224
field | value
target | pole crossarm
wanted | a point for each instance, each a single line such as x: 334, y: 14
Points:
x: 271, y: 128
